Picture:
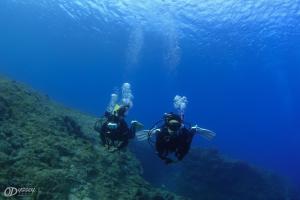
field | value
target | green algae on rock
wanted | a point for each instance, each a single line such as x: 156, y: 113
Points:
x: 55, y: 150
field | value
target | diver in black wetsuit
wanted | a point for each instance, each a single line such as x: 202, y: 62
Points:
x: 114, y: 131
x: 173, y: 137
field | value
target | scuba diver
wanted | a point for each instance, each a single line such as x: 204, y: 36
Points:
x: 113, y: 129
x: 174, y: 136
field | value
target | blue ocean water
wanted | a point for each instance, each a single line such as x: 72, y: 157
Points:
x: 238, y: 62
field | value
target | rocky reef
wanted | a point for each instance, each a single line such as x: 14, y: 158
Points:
x: 55, y: 150
x: 207, y: 175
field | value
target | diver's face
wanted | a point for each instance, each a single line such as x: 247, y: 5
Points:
x: 174, y: 125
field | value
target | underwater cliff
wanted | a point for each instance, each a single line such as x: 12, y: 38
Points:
x: 51, y: 148
x: 206, y: 174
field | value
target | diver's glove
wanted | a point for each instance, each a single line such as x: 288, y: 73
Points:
x: 137, y: 125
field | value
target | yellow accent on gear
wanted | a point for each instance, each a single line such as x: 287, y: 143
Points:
x: 116, y: 108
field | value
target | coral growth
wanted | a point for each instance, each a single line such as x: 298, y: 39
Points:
x: 55, y: 150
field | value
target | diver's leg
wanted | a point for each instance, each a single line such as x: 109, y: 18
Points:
x: 123, y: 144
x: 103, y: 139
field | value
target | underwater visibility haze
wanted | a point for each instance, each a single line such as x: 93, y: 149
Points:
x: 236, y: 61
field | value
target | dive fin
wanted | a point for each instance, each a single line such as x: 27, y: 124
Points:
x: 138, y: 126
x: 207, y: 134
x: 142, y: 135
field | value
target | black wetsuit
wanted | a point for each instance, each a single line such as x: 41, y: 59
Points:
x: 119, y: 136
x: 178, y: 143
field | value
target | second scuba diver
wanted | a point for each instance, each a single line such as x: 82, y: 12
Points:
x: 174, y: 136
x: 113, y: 129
